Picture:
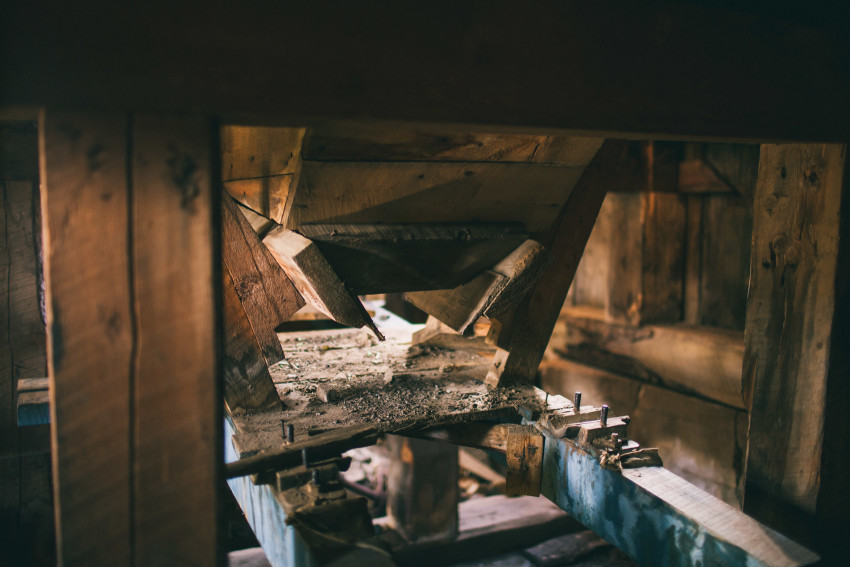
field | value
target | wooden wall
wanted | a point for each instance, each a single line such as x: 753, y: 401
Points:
x: 26, y: 501
x: 653, y: 324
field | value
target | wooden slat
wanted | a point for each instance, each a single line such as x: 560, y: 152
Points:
x: 605, y: 72
x: 266, y: 294
x: 177, y: 453
x: 91, y: 342
x: 793, y: 372
x: 408, y: 192
x: 523, y: 338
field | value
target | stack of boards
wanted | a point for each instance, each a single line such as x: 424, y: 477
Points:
x: 453, y: 219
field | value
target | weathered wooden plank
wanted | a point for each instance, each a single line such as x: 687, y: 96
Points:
x: 380, y: 258
x: 90, y: 350
x: 523, y: 337
x: 725, y: 257
x: 248, y: 385
x: 176, y: 398
x: 315, y: 280
x: 645, y: 283
x: 798, y: 289
x: 410, y: 192
x: 701, y: 441
x: 422, y: 489
x: 490, y: 293
x: 267, y: 296
x: 524, y: 454
x: 700, y: 360
x: 378, y: 142
x: 658, y: 518
x: 260, y: 165
x: 495, y: 523
x: 614, y: 73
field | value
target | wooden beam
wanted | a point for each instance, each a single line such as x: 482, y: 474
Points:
x: 698, y: 360
x: 133, y: 351
x: 422, y: 489
x: 522, y: 336
x: 248, y: 385
x: 369, y: 192
x: 259, y: 166
x: 316, y: 280
x: 795, y: 375
x: 266, y: 294
x: 605, y: 73
x: 490, y: 293
x: 658, y: 518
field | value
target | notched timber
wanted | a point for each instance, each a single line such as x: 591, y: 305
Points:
x: 267, y: 296
x: 316, y: 280
x: 489, y: 294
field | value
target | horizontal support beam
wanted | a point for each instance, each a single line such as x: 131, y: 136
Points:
x: 571, y: 65
x: 657, y: 517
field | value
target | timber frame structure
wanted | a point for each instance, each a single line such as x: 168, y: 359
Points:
x: 130, y: 106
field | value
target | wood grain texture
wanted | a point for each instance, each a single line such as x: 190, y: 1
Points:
x: 698, y: 360
x: 645, y: 280
x: 490, y: 293
x: 266, y: 294
x: 524, y: 454
x: 316, y: 280
x: 422, y: 489
x: 378, y: 142
x: 177, y: 457
x: 701, y: 441
x: 614, y: 72
x: 247, y: 383
x: 523, y: 336
x: 132, y: 349
x: 385, y: 257
x: 407, y: 192
x: 90, y: 350
x: 260, y: 165
x: 790, y: 332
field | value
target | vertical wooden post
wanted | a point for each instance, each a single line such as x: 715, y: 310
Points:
x: 422, y: 489
x: 795, y: 363
x: 132, y: 264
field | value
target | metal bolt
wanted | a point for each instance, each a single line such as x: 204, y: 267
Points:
x: 615, y: 439
x: 603, y: 416
x: 290, y: 433
x: 577, y: 401
x: 305, y: 457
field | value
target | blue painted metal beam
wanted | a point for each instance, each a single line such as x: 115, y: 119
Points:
x: 658, y: 518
